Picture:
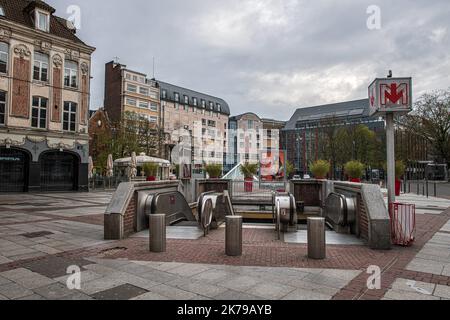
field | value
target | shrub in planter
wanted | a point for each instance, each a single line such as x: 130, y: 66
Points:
x: 249, y: 170
x: 214, y: 170
x: 355, y: 170
x: 151, y: 171
x: 320, y: 169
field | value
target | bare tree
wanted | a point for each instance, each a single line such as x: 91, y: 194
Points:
x: 431, y: 120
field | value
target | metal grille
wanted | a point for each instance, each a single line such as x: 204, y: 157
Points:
x: 58, y: 171
x: 13, y: 170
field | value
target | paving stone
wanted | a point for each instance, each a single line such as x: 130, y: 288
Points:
x: 412, y: 286
x: 4, y: 281
x: 45, y: 249
x: 306, y: 285
x: 150, y: 296
x: 27, y: 256
x: 34, y: 281
x: 236, y: 295
x: 189, y: 270
x: 122, y: 292
x: 53, y: 291
x: 134, y: 280
x: 54, y: 267
x: 172, y: 292
x: 198, y: 287
x: 426, y: 266
x: 239, y: 283
x: 270, y: 290
x: 326, y: 281
x: 32, y: 297
x: 85, y: 276
x: 14, y: 291
x: 345, y: 275
x: 404, y: 295
x: 166, y: 266
x: 100, y: 269
x: 442, y: 291
x: 159, y: 276
x: 77, y: 296
x: 4, y: 259
x: 15, y: 274
x: 212, y: 276
x: 305, y: 294
x: 97, y: 285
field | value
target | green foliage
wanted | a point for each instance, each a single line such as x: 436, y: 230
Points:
x: 290, y: 168
x: 354, y: 169
x: 320, y: 168
x: 249, y: 169
x: 214, y: 170
x: 150, y: 169
x: 399, y: 169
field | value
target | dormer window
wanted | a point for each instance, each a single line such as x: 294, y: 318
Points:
x: 42, y: 21
x: 2, y: 12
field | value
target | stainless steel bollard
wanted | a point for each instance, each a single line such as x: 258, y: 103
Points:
x: 233, y: 236
x: 157, y: 232
x: 316, y: 238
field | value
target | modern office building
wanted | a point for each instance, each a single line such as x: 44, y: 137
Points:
x: 301, y: 135
x: 44, y: 100
x: 201, y: 116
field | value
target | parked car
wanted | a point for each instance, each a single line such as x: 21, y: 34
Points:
x: 306, y: 176
x: 296, y: 177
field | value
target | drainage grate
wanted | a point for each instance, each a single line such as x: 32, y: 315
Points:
x: 32, y: 235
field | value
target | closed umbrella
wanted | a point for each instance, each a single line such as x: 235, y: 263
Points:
x: 133, y: 165
x: 91, y: 168
x: 110, y: 166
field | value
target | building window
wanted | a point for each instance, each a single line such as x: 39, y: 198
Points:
x: 203, y: 104
x: 4, y: 53
x: 143, y: 104
x: 219, y: 107
x: 177, y: 97
x: 128, y: 76
x: 153, y: 106
x: 135, y: 78
x: 39, y: 113
x: 211, y: 123
x: 2, y: 107
x: 164, y: 94
x: 69, y: 116
x: 250, y: 124
x: 42, y: 21
x: 186, y: 100
x: 194, y: 101
x: 131, y: 102
x: 131, y: 88
x: 143, y: 91
x: 211, y: 105
x: 153, y: 119
x: 204, y: 122
x: 40, y: 67
x: 2, y: 12
x: 71, y: 74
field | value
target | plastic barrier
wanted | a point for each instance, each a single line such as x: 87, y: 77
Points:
x: 403, y: 223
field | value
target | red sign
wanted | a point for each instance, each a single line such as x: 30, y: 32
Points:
x: 390, y: 95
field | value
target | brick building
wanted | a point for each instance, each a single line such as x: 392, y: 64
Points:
x: 44, y: 100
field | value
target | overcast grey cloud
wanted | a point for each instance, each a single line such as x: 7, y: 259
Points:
x: 269, y: 57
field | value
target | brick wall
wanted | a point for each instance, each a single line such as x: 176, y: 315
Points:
x: 113, y: 91
x: 130, y: 217
x: 57, y: 95
x: 21, y: 88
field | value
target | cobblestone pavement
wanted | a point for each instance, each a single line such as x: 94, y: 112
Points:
x: 42, y: 235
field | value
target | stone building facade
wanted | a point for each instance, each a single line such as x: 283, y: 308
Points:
x: 44, y: 100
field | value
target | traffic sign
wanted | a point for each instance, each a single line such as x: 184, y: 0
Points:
x: 390, y: 95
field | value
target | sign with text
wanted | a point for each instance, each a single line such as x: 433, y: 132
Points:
x: 390, y: 95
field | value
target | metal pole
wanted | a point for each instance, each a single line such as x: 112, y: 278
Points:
x: 390, y: 147
x: 427, y: 185
x: 157, y: 232
x: 316, y: 238
x: 233, y: 235
x: 435, y: 191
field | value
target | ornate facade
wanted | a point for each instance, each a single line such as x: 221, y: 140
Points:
x: 44, y: 100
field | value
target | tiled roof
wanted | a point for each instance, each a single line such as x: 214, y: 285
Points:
x: 18, y: 11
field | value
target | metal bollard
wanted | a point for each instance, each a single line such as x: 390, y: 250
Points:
x: 316, y: 238
x: 233, y: 236
x: 157, y: 232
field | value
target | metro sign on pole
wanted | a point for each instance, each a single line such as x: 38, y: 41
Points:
x: 390, y: 95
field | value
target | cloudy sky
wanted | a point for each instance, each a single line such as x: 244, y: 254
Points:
x: 269, y: 56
